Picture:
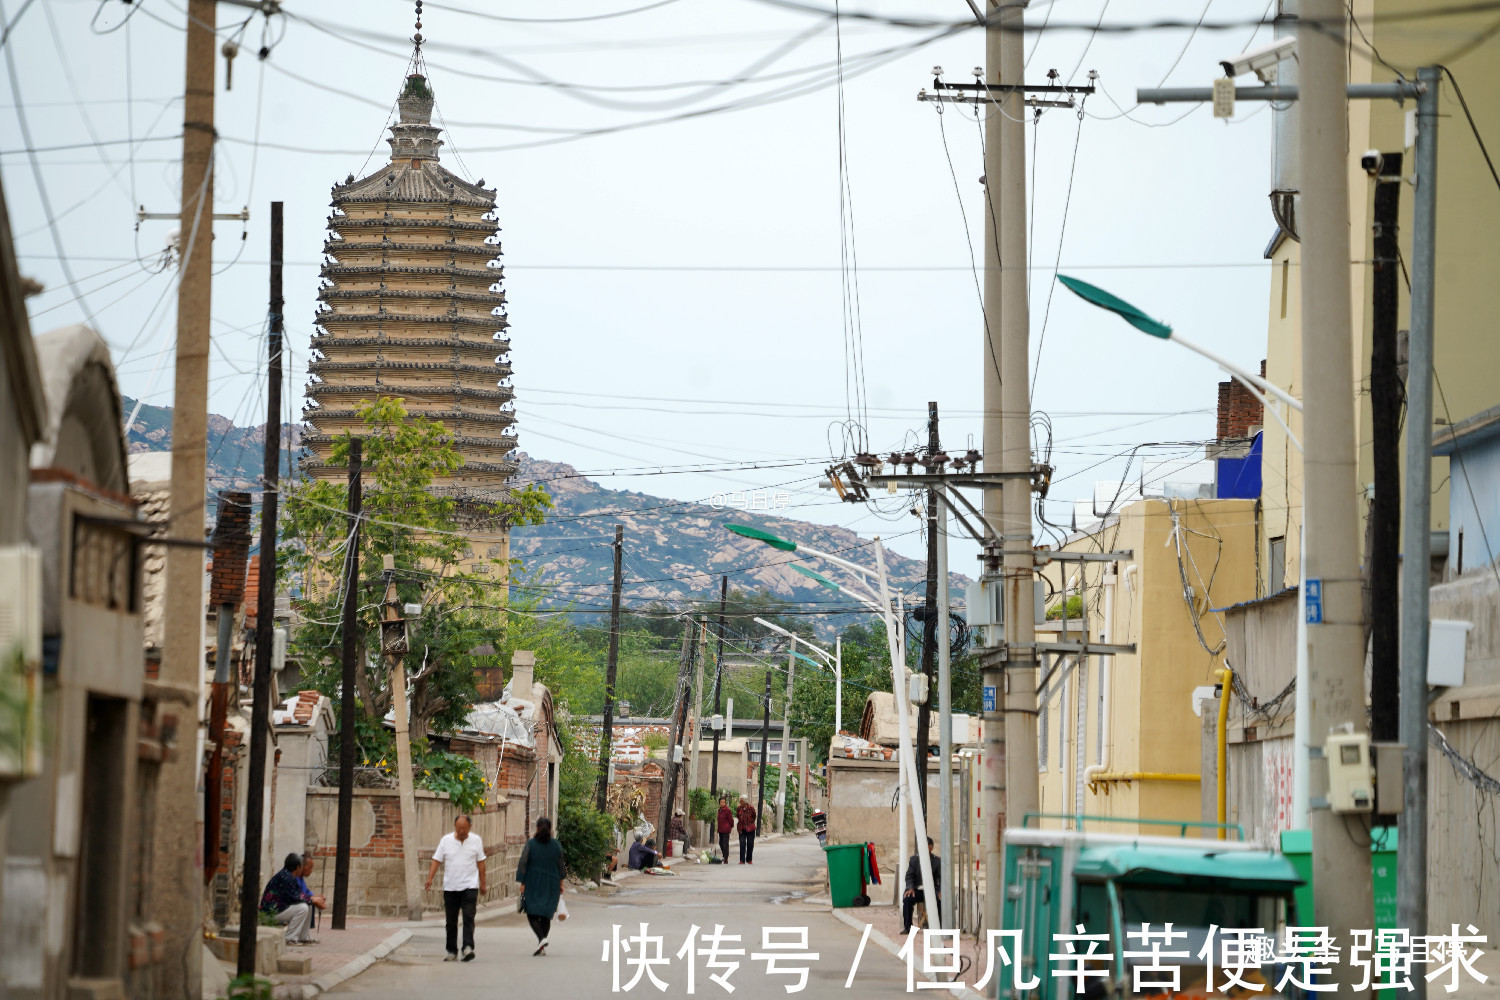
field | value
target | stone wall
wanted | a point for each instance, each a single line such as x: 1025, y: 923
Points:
x: 377, y: 885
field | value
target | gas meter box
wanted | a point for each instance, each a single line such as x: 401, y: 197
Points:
x: 1350, y: 776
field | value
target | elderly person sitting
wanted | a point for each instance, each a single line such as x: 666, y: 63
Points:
x: 643, y: 856
x: 287, y: 901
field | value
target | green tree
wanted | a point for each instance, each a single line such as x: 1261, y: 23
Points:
x: 421, y: 528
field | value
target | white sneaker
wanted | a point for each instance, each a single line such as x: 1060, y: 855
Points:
x: 452, y: 956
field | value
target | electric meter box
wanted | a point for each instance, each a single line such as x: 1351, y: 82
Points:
x: 916, y: 689
x: 1351, y: 778
x: 716, y: 723
x: 985, y: 602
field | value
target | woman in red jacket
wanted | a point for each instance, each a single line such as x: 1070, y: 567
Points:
x: 746, y: 816
x: 724, y: 825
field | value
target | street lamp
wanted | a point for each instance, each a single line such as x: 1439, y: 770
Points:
x: 895, y: 642
x: 1255, y: 383
x: 836, y: 661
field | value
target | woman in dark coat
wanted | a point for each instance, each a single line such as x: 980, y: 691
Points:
x: 724, y: 824
x: 541, y: 875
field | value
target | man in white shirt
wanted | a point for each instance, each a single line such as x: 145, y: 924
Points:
x: 461, y: 854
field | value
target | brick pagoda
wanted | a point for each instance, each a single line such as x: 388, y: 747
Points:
x: 412, y: 306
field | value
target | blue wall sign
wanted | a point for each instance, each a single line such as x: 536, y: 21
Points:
x: 1314, y: 602
x: 989, y: 698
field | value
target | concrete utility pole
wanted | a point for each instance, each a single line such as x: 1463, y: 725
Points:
x: 175, y: 863
x: 765, y: 746
x: 945, y: 720
x: 713, y: 780
x: 1341, y: 862
x: 786, y: 739
x: 992, y: 799
x: 1411, y: 862
x: 611, y: 666
x: 394, y: 644
x: 348, y: 689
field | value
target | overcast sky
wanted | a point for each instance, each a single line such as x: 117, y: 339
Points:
x: 692, y: 265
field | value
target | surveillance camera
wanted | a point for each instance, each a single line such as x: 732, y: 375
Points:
x: 1371, y: 161
x: 1261, y: 61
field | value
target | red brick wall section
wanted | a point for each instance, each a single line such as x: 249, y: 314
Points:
x: 1238, y: 410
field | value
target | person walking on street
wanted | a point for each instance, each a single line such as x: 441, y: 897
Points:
x: 724, y: 824
x: 461, y: 854
x: 747, y: 833
x: 540, y: 874
x: 914, y: 893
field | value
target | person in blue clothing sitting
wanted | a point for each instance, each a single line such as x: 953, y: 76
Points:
x: 286, y: 899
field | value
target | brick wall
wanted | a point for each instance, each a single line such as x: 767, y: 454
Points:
x: 377, y: 882
x: 1238, y: 410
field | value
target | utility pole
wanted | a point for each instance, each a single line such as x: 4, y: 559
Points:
x: 265, y: 612
x: 1383, y: 618
x: 177, y: 832
x: 945, y: 720
x: 348, y: 688
x: 611, y: 665
x: 1341, y: 862
x: 679, y: 723
x: 765, y: 745
x: 929, y: 617
x: 394, y: 644
x: 1411, y: 862
x: 786, y: 739
x: 697, y: 726
x: 713, y: 779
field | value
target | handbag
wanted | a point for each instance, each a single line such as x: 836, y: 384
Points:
x: 521, y: 901
x: 562, y: 909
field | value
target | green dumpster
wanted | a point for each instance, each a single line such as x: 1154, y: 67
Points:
x: 846, y: 884
x: 1297, y: 846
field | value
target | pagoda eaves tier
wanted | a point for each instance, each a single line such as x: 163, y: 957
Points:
x: 412, y: 306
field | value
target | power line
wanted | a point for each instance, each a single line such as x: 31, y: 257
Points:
x: 41, y: 185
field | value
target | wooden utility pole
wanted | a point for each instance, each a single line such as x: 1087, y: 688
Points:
x: 348, y: 688
x: 610, y: 668
x: 394, y: 644
x: 265, y: 612
x: 713, y: 780
x: 696, y: 728
x: 929, y: 612
x: 679, y: 723
x: 175, y: 862
x: 1387, y: 396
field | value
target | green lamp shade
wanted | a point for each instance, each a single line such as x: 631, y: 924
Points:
x: 816, y: 576
x: 1126, y: 311
x: 775, y: 541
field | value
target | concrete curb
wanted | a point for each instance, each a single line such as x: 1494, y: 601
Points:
x: 956, y: 989
x: 348, y: 971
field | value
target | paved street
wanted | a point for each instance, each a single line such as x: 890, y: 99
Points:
x: 743, y: 899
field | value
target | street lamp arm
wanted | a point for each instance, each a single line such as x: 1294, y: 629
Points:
x: 1270, y: 408
x: 827, y: 657
x: 1253, y: 380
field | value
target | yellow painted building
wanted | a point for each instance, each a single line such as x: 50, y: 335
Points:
x: 1467, y: 296
x: 1105, y: 721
